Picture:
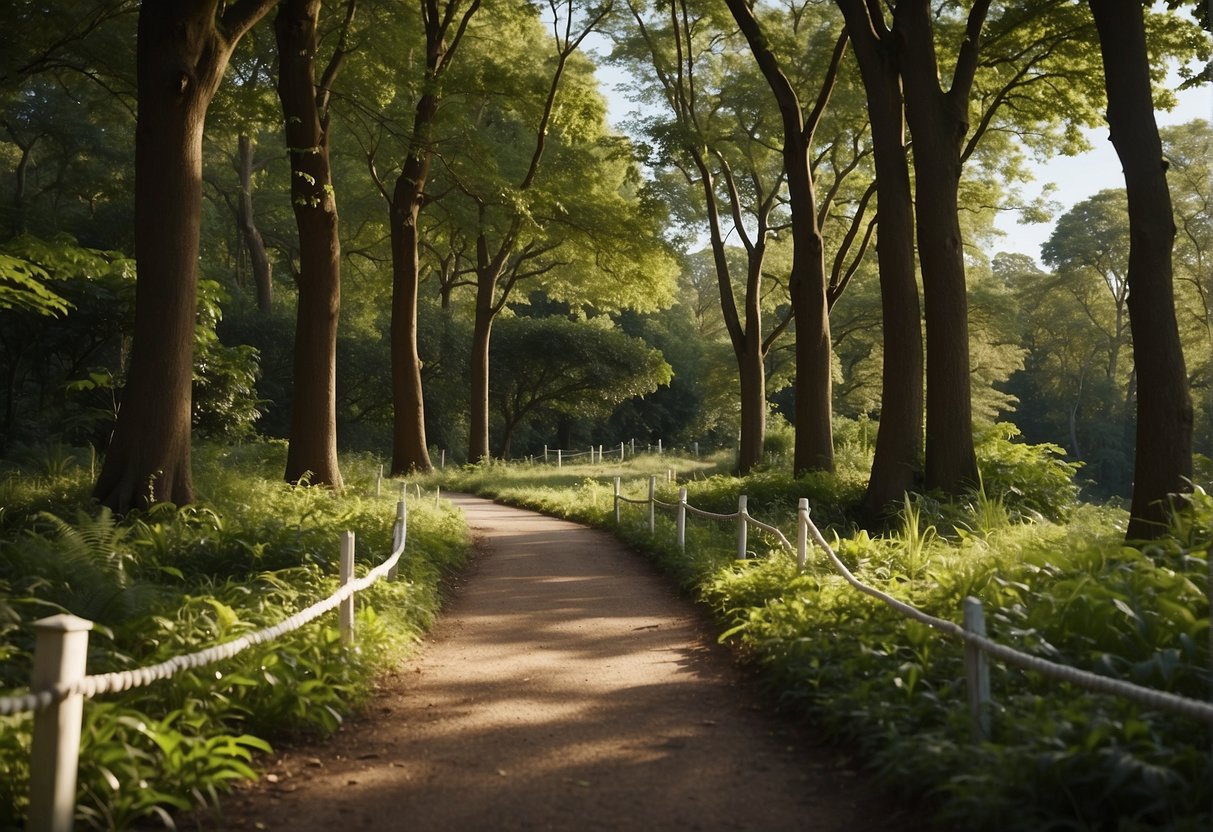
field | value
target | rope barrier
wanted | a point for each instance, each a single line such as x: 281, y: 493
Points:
x: 1150, y: 697
x: 91, y: 686
x: 1092, y: 681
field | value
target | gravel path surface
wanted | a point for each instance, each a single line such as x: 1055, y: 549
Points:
x: 566, y: 687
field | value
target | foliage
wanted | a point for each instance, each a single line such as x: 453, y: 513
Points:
x: 1060, y: 757
x: 170, y: 581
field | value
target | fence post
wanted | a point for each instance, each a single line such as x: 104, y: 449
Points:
x: 345, y: 614
x: 399, y: 532
x: 682, y: 519
x: 442, y: 463
x: 379, y: 483
x: 695, y: 446
x: 633, y: 446
x: 653, y: 504
x: 802, y: 534
x: 60, y: 654
x: 977, y: 670
x: 599, y: 454
x: 545, y: 453
x: 559, y: 458
x: 621, y: 452
x: 616, y: 501
x: 658, y: 447
x: 742, y: 529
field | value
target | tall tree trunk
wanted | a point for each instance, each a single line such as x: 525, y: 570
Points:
x: 409, y: 448
x: 263, y: 272
x: 1163, y: 460
x: 183, y: 50
x: 752, y: 374
x: 938, y: 123
x: 896, y: 464
x: 312, y: 449
x: 807, y: 285
x: 482, y: 330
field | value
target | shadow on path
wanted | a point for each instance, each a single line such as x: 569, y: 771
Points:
x: 565, y: 688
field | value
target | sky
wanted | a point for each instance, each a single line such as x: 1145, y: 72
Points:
x: 1075, y: 177
x: 1078, y: 177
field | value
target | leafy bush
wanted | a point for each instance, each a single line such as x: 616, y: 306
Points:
x: 171, y: 581
x: 1060, y: 758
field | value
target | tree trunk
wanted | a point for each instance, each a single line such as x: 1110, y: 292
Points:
x: 182, y: 53
x: 938, y: 123
x: 896, y: 464
x: 752, y: 374
x: 814, y: 374
x: 312, y: 449
x: 1163, y: 461
x: 482, y: 329
x: 409, y: 449
x: 807, y: 285
x: 253, y: 243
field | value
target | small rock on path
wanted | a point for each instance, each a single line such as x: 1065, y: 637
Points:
x: 566, y: 687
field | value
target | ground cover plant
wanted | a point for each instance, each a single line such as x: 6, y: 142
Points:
x: 249, y: 553
x: 1056, y: 581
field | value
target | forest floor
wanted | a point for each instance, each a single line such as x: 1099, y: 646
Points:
x: 566, y: 687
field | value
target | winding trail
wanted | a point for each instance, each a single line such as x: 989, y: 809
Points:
x: 566, y: 687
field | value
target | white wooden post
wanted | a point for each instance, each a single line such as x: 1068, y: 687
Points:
x: 559, y: 458
x: 379, y: 483
x: 669, y: 474
x: 653, y: 504
x: 658, y: 447
x: 682, y: 519
x: 621, y: 452
x: 345, y: 613
x: 60, y: 654
x: 545, y: 453
x: 802, y: 534
x: 977, y: 670
x: 591, y: 454
x: 616, y: 501
x: 599, y: 454
x: 633, y: 446
x: 695, y: 445
x: 742, y: 528
x: 399, y: 533
x: 442, y: 463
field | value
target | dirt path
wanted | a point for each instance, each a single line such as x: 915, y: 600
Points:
x: 565, y: 688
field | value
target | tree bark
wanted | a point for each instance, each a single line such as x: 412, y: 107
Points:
x: 312, y: 448
x: 1163, y: 458
x: 263, y: 272
x: 938, y: 123
x: 183, y: 50
x: 896, y: 466
x: 482, y: 331
x: 814, y: 449
x: 409, y: 448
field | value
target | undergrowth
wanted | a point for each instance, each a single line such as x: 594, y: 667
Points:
x: 249, y: 553
x: 1056, y: 581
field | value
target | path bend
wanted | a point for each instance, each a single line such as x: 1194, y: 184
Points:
x: 565, y: 687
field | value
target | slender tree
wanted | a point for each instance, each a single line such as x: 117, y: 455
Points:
x: 808, y: 282
x: 441, y: 21
x: 312, y: 450
x: 501, y: 263
x: 1163, y: 457
x: 183, y: 50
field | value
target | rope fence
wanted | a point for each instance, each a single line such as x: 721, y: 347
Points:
x: 59, y: 685
x: 977, y: 645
